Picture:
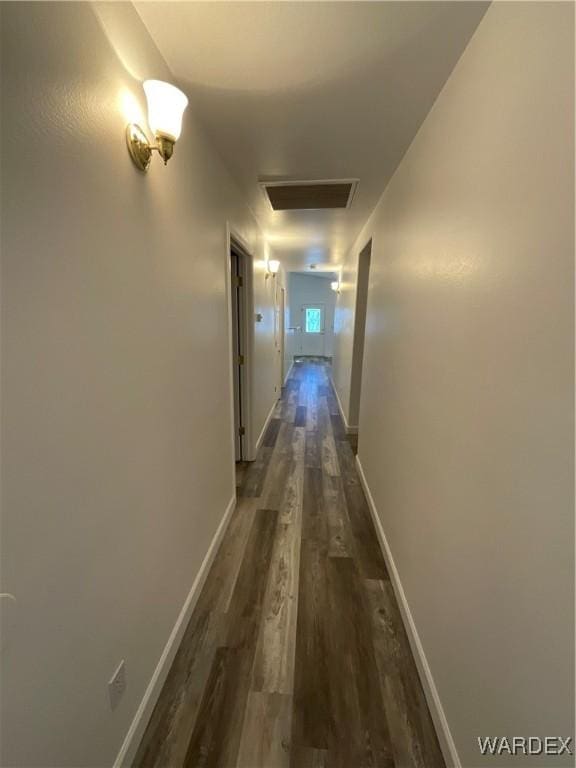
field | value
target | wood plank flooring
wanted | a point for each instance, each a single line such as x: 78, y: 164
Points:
x: 296, y: 655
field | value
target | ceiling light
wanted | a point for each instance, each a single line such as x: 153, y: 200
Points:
x: 166, y: 105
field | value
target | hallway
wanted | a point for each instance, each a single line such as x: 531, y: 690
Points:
x: 296, y: 653
x: 287, y: 468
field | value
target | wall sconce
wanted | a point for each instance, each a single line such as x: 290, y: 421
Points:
x: 166, y: 105
x: 273, y: 267
x: 335, y: 285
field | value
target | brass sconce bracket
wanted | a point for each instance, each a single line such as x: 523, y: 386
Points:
x: 141, y: 150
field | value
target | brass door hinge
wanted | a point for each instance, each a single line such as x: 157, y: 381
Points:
x: 241, y: 431
x: 240, y: 359
x: 239, y: 281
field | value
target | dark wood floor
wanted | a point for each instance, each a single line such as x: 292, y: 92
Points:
x: 296, y: 654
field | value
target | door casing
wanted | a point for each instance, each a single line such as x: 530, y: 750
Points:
x: 235, y: 240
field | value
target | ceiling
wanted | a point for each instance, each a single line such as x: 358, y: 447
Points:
x: 308, y: 91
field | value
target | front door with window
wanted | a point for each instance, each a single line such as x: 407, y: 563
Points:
x: 312, y: 330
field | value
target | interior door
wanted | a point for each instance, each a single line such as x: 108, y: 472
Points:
x: 236, y: 285
x: 312, y: 330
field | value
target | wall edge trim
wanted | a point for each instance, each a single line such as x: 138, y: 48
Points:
x: 350, y: 429
x: 144, y: 711
x: 443, y: 732
x: 288, y: 372
x: 264, y: 428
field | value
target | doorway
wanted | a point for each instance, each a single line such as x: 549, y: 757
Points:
x: 280, y: 339
x: 312, y: 328
x: 359, y: 334
x: 238, y: 273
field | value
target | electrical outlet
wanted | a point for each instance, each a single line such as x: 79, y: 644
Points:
x: 117, y: 685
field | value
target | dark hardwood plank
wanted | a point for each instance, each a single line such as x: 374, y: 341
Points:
x: 273, y: 668
x: 356, y: 694
x: 329, y: 455
x: 272, y: 433
x: 338, y: 429
x: 313, y: 451
x: 278, y: 469
x: 166, y: 738
x: 300, y: 419
x: 333, y: 408
x: 314, y: 519
x: 312, y: 719
x: 256, y: 473
x: 296, y: 653
x: 217, y: 731
x: 305, y: 757
x: 368, y: 553
x: 265, y: 739
x: 340, y: 538
x: 414, y: 740
x: 347, y: 462
x: 165, y: 741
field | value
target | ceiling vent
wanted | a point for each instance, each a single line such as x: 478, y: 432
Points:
x: 310, y: 195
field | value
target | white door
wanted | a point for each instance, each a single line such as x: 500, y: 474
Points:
x: 312, y: 330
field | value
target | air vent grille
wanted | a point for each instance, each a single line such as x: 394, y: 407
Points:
x: 310, y: 195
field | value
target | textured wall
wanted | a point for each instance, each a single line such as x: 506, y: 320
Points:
x: 116, y: 436
x: 466, y: 417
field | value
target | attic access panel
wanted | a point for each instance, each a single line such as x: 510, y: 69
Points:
x: 310, y: 195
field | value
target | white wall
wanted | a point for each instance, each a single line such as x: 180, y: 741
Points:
x: 116, y: 435
x: 308, y: 289
x: 466, y: 418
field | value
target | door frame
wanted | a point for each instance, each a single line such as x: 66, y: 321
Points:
x: 359, y: 336
x: 281, y: 333
x: 235, y: 240
x: 239, y: 379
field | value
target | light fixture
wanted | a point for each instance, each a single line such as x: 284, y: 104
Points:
x: 166, y: 105
x: 335, y: 285
x: 273, y: 267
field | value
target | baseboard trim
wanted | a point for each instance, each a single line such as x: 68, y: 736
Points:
x: 128, y: 749
x: 289, y: 372
x: 447, y: 744
x: 350, y: 430
x: 264, y: 428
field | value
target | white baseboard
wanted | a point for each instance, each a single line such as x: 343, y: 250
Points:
x: 435, y: 705
x: 350, y: 430
x: 263, y: 432
x: 289, y: 372
x: 128, y: 749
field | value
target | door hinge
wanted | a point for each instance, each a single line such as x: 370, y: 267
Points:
x: 241, y: 431
x: 240, y: 359
x: 239, y: 281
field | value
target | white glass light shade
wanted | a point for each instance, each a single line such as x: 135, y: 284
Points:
x: 335, y: 285
x: 166, y: 105
x: 273, y: 266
